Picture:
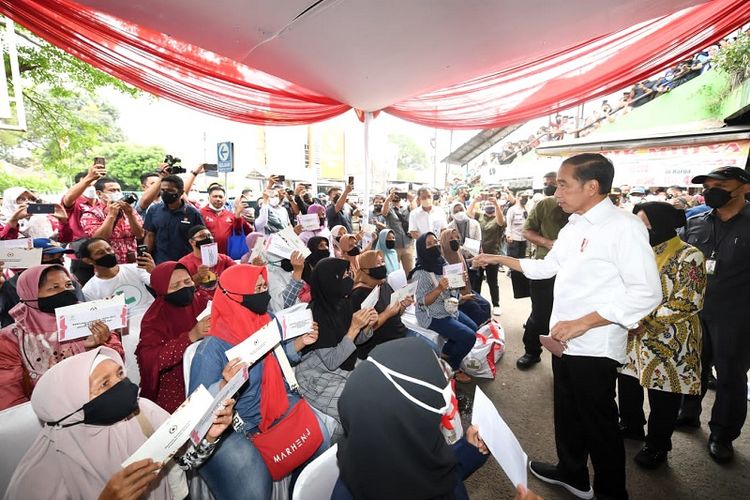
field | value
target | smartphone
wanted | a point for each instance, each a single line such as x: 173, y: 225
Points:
x: 142, y: 249
x: 210, y: 167
x: 40, y: 208
x: 401, y: 196
x: 280, y: 178
x: 351, y: 180
x: 100, y: 160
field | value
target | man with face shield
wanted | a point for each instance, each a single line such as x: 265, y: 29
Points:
x: 723, y: 235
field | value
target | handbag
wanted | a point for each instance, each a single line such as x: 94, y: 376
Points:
x: 237, y: 244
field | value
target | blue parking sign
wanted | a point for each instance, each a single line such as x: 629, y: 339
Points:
x: 225, y: 157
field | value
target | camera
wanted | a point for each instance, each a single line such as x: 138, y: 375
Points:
x: 174, y: 165
x: 129, y: 198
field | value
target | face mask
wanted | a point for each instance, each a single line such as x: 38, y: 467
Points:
x: 318, y: 255
x: 257, y: 302
x: 446, y: 392
x: 379, y: 273
x: 460, y: 216
x: 716, y: 197
x: 322, y: 221
x: 426, y: 203
x: 113, y: 405
x: 337, y: 239
x: 62, y: 299
x: 307, y: 199
x: 90, y: 193
x: 169, y: 198
x: 109, y: 261
x: 273, y: 201
x: 353, y: 252
x: 489, y: 210
x: 346, y: 286
x: 635, y: 199
x: 550, y: 190
x: 286, y: 265
x: 181, y: 297
x: 454, y: 244
x: 335, y: 199
x: 114, y: 197
x: 390, y: 244
x: 523, y: 201
x: 433, y: 252
x: 204, y: 241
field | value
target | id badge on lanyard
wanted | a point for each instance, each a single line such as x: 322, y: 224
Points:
x: 711, y: 264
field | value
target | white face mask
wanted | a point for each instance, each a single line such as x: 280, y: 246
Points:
x: 114, y: 197
x: 446, y: 392
x: 90, y: 193
x: 460, y: 216
x: 273, y: 201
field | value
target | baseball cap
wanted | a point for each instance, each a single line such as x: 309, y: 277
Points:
x: 50, y: 247
x: 638, y: 190
x: 724, y: 174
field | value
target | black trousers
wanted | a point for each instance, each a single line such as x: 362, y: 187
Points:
x: 542, y: 295
x: 517, y: 249
x: 664, y: 408
x: 490, y: 272
x: 82, y: 271
x: 586, y: 423
x: 726, y: 346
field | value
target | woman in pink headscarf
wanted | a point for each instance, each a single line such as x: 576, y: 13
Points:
x: 30, y: 346
x: 323, y: 230
x: 250, y: 241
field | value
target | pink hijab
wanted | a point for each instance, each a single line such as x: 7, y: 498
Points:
x: 77, y: 461
x: 250, y: 241
x: 29, y: 317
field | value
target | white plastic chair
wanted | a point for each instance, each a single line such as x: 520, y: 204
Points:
x: 316, y: 481
x: 187, y: 359
x: 409, y: 319
x: 19, y: 427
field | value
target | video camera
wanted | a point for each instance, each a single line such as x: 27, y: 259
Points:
x: 174, y: 165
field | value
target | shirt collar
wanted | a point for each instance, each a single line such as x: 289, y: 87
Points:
x: 598, y: 213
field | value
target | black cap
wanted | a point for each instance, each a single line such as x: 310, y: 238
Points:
x: 724, y: 174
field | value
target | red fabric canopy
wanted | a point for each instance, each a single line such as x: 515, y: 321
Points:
x: 189, y: 75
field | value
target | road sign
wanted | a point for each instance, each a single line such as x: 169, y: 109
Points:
x: 225, y: 157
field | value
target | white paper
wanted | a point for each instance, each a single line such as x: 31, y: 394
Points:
x: 285, y: 242
x: 499, y: 439
x: 402, y: 293
x: 206, y: 312
x: 472, y: 246
x: 295, y: 321
x: 27, y: 243
x: 257, y: 345
x: 175, y: 431
x: 258, y: 249
x: 368, y: 228
x: 73, y: 321
x: 210, y: 254
x: 20, y: 258
x: 454, y: 273
x: 397, y: 279
x: 309, y: 222
x: 371, y: 299
x: 230, y: 388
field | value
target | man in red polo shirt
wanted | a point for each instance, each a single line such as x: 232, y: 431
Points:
x: 220, y: 221
x: 203, y: 276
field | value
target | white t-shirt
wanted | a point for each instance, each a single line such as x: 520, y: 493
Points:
x: 423, y: 222
x: 130, y: 282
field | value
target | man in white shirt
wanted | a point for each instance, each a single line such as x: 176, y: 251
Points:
x: 426, y: 218
x: 606, y: 282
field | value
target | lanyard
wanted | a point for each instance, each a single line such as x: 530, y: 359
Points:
x: 718, y: 241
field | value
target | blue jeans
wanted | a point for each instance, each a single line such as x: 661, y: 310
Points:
x: 479, y: 309
x: 237, y: 471
x: 433, y: 345
x: 461, y: 335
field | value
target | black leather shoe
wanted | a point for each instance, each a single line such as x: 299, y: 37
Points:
x: 684, y: 420
x: 527, y: 361
x: 650, y: 458
x: 549, y: 474
x: 720, y: 451
x: 635, y: 433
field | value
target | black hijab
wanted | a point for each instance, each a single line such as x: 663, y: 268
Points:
x: 316, y: 256
x: 664, y: 219
x: 425, y: 263
x: 391, y: 447
x: 330, y: 305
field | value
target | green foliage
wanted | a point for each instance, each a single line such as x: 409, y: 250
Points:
x: 734, y: 59
x: 38, y: 184
x: 411, y: 156
x: 126, y: 162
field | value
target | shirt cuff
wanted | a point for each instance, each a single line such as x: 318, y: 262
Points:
x: 616, y: 316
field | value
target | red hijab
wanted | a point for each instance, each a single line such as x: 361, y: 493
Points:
x: 233, y: 323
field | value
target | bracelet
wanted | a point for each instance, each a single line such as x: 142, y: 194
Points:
x: 194, y: 173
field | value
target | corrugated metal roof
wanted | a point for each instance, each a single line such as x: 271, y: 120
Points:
x: 478, y: 144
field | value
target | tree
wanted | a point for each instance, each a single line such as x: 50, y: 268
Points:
x: 126, y: 162
x: 411, y: 156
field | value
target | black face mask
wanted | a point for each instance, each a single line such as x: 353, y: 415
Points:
x: 62, y: 299
x: 204, y: 241
x: 432, y: 252
x: 353, y: 252
x: 257, y: 302
x: 337, y: 239
x: 322, y: 221
x: 524, y: 201
x: 716, y: 197
x: 390, y: 244
x: 377, y: 208
x: 286, y: 265
x: 346, y: 287
x: 550, y: 190
x: 169, y: 198
x: 109, y: 407
x: 455, y: 245
x: 108, y: 260
x: 379, y: 273
x: 318, y: 255
x: 181, y: 297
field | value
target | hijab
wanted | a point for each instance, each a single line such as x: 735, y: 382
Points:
x: 452, y: 256
x: 332, y: 310
x: 424, y: 263
x: 82, y: 457
x: 232, y: 322
x: 664, y: 219
x: 390, y: 255
x: 366, y: 260
x: 318, y: 210
x: 36, y: 226
x: 312, y: 260
x: 391, y: 447
x: 250, y: 240
x: 10, y: 196
x: 162, y: 323
x: 334, y: 230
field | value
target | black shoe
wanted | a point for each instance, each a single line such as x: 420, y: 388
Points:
x: 684, y: 420
x: 720, y: 451
x: 634, y: 433
x: 548, y: 473
x: 527, y: 361
x: 650, y: 458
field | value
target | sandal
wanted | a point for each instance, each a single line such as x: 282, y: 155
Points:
x: 462, y: 378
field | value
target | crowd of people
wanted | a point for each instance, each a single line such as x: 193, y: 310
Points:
x: 628, y: 289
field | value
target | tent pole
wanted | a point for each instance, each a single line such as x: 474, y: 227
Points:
x: 365, y: 209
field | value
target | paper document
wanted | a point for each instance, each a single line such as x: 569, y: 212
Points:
x: 295, y: 321
x: 206, y: 312
x: 368, y: 228
x: 454, y: 273
x: 73, y: 321
x: 257, y: 345
x: 397, y: 279
x: 27, y: 243
x: 175, y: 431
x: 231, y: 387
x: 499, y: 439
x: 258, y: 249
x: 309, y: 222
x: 371, y: 299
x: 210, y: 254
x: 285, y: 242
x: 20, y: 258
x: 402, y: 293
x: 473, y: 246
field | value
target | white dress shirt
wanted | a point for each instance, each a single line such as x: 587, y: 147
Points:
x: 423, y: 222
x: 604, y: 264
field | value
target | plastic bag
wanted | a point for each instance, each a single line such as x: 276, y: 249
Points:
x: 487, y: 351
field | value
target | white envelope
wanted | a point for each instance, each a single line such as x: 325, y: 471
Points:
x: 257, y: 345
x: 175, y: 431
x: 27, y: 243
x: 454, y: 273
x: 371, y: 299
x: 73, y: 321
x: 206, y: 311
x: 210, y: 254
x: 295, y: 321
x: 499, y: 439
x: 368, y: 228
x: 397, y: 279
x: 258, y: 249
x: 285, y: 242
x: 402, y: 293
x: 473, y: 246
x: 20, y: 258
x: 309, y: 222
x: 231, y: 387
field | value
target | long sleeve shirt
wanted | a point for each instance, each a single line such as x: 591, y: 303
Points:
x: 604, y: 264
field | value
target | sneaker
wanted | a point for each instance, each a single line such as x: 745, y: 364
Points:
x: 650, y: 458
x: 549, y: 474
x: 496, y: 311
